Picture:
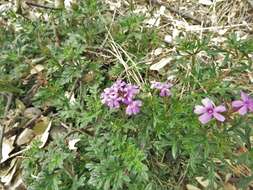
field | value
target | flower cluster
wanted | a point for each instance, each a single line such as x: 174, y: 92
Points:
x: 164, y: 88
x: 208, y: 110
x: 122, y: 93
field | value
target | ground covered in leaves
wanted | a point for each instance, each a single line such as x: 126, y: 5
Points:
x: 138, y: 95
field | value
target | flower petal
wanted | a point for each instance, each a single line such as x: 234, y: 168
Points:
x: 220, y: 108
x: 138, y: 103
x: 244, y: 96
x: 243, y: 110
x: 219, y: 116
x: 207, y: 103
x: 237, y: 103
x: 205, y: 118
x: 199, y: 109
x: 165, y: 92
x: 129, y: 110
x: 134, y: 107
x: 156, y: 85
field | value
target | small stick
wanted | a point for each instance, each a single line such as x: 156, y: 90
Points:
x: 40, y: 6
x: 82, y: 131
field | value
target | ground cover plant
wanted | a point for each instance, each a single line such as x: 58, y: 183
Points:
x: 98, y: 95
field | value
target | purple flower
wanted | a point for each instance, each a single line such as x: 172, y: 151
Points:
x: 119, y: 84
x: 209, y: 110
x: 121, y: 93
x: 244, y: 105
x: 129, y: 92
x: 163, y: 87
x: 133, y: 107
x: 156, y: 85
x: 111, y: 98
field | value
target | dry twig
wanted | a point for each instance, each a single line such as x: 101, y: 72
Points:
x: 40, y: 6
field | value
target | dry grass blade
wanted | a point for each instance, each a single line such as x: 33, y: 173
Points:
x: 131, y: 71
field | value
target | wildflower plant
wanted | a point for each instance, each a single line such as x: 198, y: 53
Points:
x: 159, y: 136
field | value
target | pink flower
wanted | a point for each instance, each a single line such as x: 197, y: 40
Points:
x: 129, y: 92
x: 122, y: 93
x: 209, y: 110
x: 163, y: 87
x: 244, y: 105
x: 134, y: 107
x: 119, y: 84
x: 111, y: 98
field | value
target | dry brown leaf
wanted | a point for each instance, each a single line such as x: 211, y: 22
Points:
x: 45, y: 135
x: 32, y: 112
x: 250, y: 77
x: 7, y: 147
x: 191, y: 187
x: 157, y: 51
x: 8, y: 177
x: 206, y: 2
x: 162, y: 63
x: 155, y: 20
x: 36, y: 69
x: 17, y: 182
x: 18, y: 185
x: 229, y: 186
x: 20, y: 105
x: 25, y: 137
x: 228, y: 177
x: 41, y: 126
x: 72, y: 143
x: 204, y: 183
x: 168, y: 39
